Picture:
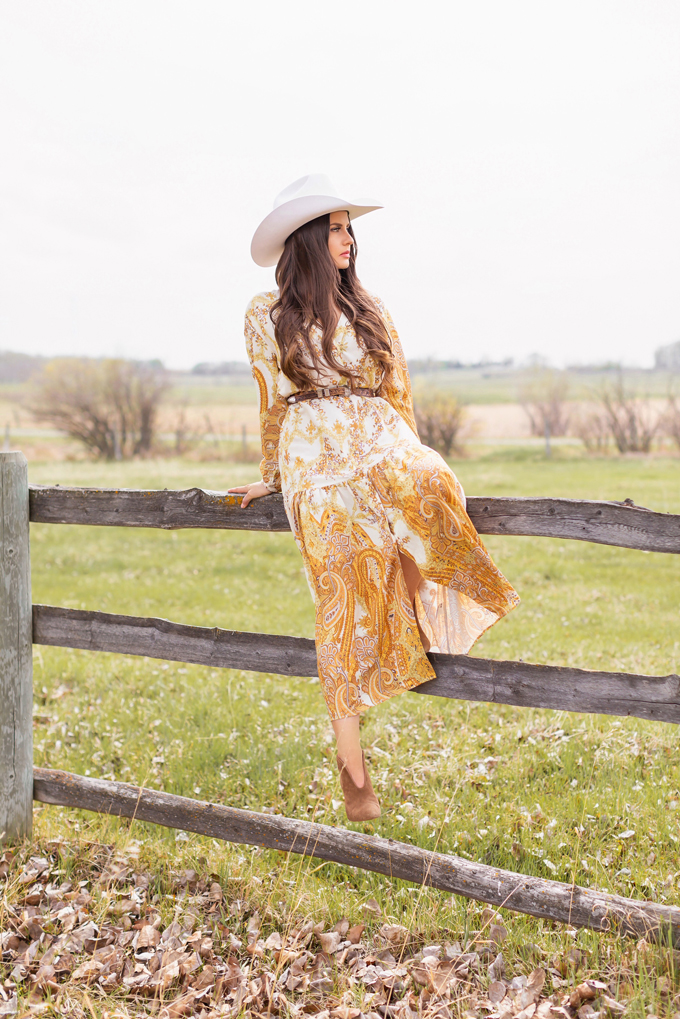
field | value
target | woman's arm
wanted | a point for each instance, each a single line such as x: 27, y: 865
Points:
x: 396, y: 388
x: 262, y: 353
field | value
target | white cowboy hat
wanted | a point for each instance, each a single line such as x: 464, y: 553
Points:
x: 299, y: 203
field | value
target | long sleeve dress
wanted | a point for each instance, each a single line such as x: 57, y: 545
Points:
x: 358, y: 488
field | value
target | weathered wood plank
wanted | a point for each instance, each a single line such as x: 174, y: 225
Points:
x: 16, y: 654
x: 459, y: 677
x: 535, y: 896
x: 126, y: 507
x: 607, y: 523
x: 174, y: 642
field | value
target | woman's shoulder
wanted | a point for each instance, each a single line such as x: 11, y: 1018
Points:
x: 262, y: 302
x: 377, y: 301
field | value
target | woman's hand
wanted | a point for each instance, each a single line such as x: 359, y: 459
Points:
x: 250, y: 492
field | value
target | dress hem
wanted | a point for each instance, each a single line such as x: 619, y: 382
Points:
x: 405, y: 685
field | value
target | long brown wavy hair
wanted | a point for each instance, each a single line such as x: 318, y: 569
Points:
x: 313, y: 291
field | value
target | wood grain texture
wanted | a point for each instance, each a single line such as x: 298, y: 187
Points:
x: 126, y: 507
x: 16, y: 653
x: 607, y: 523
x: 459, y: 677
x: 550, y: 900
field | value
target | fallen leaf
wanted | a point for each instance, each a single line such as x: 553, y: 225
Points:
x: 441, y: 977
x: 254, y: 924
x: 9, y: 1007
x: 215, y: 894
x: 88, y: 971
x: 45, y: 977
x: 496, y: 992
x: 330, y: 941
x: 530, y: 994
x: 274, y: 942
x: 167, y: 975
x: 395, y: 934
x: 354, y: 933
x: 372, y: 906
x: 148, y: 937
x: 536, y: 980
x: 612, y: 1006
x: 184, y: 1005
x: 205, y: 979
x: 584, y: 992
x: 497, y: 968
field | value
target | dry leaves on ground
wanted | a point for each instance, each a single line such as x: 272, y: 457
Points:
x: 64, y: 947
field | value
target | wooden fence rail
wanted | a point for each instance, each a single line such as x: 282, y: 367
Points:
x: 552, y: 900
x: 458, y: 676
x: 607, y: 523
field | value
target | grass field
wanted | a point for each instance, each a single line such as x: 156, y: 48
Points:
x: 594, y: 800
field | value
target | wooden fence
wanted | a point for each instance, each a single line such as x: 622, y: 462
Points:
x: 458, y: 676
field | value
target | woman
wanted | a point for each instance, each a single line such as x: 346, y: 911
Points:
x: 392, y: 559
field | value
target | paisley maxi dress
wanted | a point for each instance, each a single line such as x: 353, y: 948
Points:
x: 359, y: 487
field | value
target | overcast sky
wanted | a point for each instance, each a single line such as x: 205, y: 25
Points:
x: 527, y: 152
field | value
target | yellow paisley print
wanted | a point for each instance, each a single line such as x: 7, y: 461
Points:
x: 359, y: 487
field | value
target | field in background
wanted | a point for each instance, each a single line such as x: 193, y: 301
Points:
x: 203, y: 410
x: 589, y: 799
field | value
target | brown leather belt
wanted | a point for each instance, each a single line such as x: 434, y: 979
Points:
x: 315, y: 394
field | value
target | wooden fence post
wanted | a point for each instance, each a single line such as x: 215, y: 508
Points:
x: 16, y: 663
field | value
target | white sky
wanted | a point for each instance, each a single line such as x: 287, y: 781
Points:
x: 528, y: 153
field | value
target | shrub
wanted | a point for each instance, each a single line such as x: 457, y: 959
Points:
x: 110, y: 405
x: 591, y: 426
x: 543, y: 396
x: 670, y: 422
x: 440, y: 418
x: 632, y: 422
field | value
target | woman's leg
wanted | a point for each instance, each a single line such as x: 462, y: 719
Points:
x: 412, y: 576
x: 349, y: 747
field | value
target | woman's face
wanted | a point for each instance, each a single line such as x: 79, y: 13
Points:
x: 340, y: 239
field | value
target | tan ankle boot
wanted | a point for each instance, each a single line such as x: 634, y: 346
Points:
x: 360, y: 804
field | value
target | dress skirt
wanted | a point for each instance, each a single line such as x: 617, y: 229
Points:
x: 359, y: 488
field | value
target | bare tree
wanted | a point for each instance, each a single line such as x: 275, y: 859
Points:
x: 670, y: 422
x: 543, y: 395
x: 110, y: 405
x: 632, y: 422
x: 440, y: 418
x: 591, y: 425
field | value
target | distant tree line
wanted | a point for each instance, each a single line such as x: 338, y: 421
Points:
x: 430, y: 366
x: 221, y: 368
x: 668, y: 358
x: 16, y: 367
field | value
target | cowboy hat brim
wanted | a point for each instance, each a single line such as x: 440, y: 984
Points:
x: 267, y: 245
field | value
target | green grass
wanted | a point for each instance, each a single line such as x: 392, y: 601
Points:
x: 541, y: 792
